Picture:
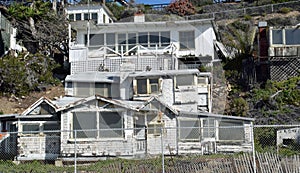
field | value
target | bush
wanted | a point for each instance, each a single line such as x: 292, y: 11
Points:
x: 239, y: 107
x: 285, y: 10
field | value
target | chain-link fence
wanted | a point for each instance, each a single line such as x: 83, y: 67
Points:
x: 193, y: 147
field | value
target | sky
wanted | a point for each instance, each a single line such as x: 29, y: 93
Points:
x: 152, y: 1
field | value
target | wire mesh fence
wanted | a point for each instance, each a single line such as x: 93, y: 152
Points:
x: 190, y: 148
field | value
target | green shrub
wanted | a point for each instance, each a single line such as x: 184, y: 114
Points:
x: 247, y: 17
x: 285, y: 10
x: 239, y: 107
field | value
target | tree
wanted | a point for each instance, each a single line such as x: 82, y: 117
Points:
x: 39, y: 23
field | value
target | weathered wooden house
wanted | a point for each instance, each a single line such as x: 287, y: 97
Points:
x: 98, y: 127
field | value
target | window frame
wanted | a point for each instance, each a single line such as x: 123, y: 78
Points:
x: 148, y: 86
x: 187, y: 40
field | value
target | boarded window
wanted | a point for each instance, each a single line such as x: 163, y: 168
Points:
x: 292, y: 36
x: 189, y: 130
x: 184, y: 80
x: 277, y: 36
x: 86, y: 124
x: 187, y: 40
x: 110, y: 125
x: 231, y: 131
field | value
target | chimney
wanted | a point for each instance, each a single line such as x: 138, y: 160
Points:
x: 139, y: 17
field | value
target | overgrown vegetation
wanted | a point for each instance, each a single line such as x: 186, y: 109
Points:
x: 25, y: 73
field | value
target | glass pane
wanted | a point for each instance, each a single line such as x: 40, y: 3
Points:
x: 189, y: 130
x: 187, y: 40
x: 154, y: 39
x: 78, y: 16
x: 208, y: 128
x: 183, y: 80
x: 139, y: 125
x: 131, y: 40
x: 86, y: 16
x: 292, y: 36
x: 94, y: 16
x: 86, y: 123
x: 277, y: 36
x: 143, y: 39
x: 231, y: 130
x: 96, y: 39
x: 141, y: 86
x: 165, y: 38
x: 103, y: 89
x: 110, y: 124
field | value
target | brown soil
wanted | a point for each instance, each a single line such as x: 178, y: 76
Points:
x: 13, y: 104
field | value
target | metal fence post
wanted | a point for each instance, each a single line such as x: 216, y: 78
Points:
x: 75, y: 152
x: 253, y: 149
x: 162, y: 150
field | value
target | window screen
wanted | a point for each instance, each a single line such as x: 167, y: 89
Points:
x: 85, y: 123
x: 103, y: 89
x: 208, y: 128
x: 31, y: 128
x: 110, y: 125
x: 292, y: 36
x: 82, y: 89
x: 183, y: 80
x: 187, y: 40
x: 51, y: 127
x: 141, y: 86
x: 96, y: 39
x: 189, y: 130
x: 277, y: 36
x: 231, y: 131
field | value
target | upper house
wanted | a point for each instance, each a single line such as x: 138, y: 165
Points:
x: 139, y: 44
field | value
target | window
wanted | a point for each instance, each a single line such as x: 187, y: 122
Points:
x: 94, y: 17
x: 189, y: 130
x: 103, y: 89
x: 208, y: 128
x: 71, y: 17
x: 187, y: 40
x: 143, y: 38
x: 122, y: 42
x: 154, y: 39
x: 155, y: 128
x: 78, y: 16
x: 104, y: 19
x: 96, y: 39
x: 139, y: 125
x: 147, y: 86
x: 292, y: 36
x: 51, y: 127
x: 86, y: 16
x: 184, y: 80
x: 85, y: 123
x: 83, y: 89
x: 231, y: 131
x: 69, y: 85
x: 31, y: 128
x: 131, y: 40
x: 141, y: 86
x: 165, y: 38
x: 110, y: 125
x: 277, y: 36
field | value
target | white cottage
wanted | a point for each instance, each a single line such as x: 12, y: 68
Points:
x: 101, y: 127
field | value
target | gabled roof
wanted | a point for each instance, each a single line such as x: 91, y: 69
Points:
x: 155, y: 98
x: 37, y: 103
